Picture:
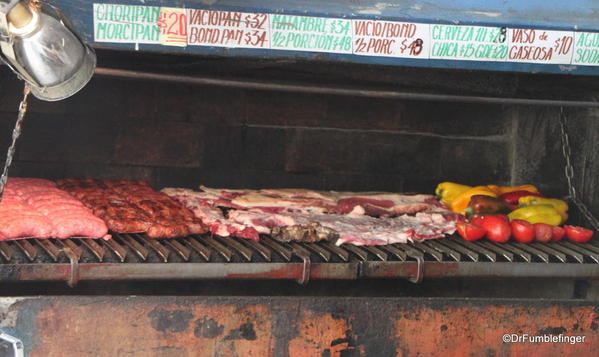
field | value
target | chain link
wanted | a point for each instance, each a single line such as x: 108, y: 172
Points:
x: 569, y: 171
x: 15, y: 135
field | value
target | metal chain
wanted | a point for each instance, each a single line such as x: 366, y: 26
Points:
x: 569, y: 171
x: 15, y: 135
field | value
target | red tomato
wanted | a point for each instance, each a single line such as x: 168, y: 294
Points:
x: 522, y: 231
x: 470, y: 231
x: 557, y: 233
x: 543, y: 232
x: 497, y: 227
x: 578, y: 234
x: 479, y: 219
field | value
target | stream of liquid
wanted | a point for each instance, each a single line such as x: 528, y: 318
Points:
x: 15, y: 135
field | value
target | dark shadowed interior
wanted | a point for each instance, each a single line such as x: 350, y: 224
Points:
x: 184, y: 135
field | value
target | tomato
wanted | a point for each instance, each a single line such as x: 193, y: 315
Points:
x: 479, y: 219
x: 470, y: 231
x: 557, y: 233
x: 522, y: 231
x: 543, y: 232
x: 578, y: 234
x: 497, y: 227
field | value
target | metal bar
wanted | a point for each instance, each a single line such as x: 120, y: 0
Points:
x: 453, y: 245
x: 262, y: 250
x: 578, y: 248
x: 179, y: 248
x: 390, y: 269
x: 399, y: 253
x: 75, y: 249
x: 116, y: 248
x: 576, y: 255
x: 277, y: 247
x: 221, y: 249
x: 483, y: 270
x: 445, y: 250
x: 478, y: 249
x: 178, y: 271
x: 509, y: 256
x: 323, y: 253
x: 243, y: 250
x: 377, y: 252
x: 361, y: 254
x: 29, y: 250
x: 95, y: 248
x: 341, y: 253
x: 539, y: 254
x: 201, y: 249
x: 53, y: 251
x: 428, y: 250
x: 139, y: 249
x: 558, y: 255
x: 527, y: 257
x: 158, y: 248
x: 317, y: 89
x: 410, y: 251
x: 7, y: 251
x: 304, y: 255
x: 585, y: 246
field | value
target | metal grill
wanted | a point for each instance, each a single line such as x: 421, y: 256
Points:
x: 134, y: 256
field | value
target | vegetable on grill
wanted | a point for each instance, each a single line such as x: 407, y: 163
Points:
x: 537, y: 214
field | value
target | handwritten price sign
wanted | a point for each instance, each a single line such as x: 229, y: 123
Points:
x: 540, y: 46
x: 227, y: 29
x: 390, y: 39
x: 173, y: 26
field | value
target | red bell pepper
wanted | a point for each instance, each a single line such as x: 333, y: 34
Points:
x: 511, y: 198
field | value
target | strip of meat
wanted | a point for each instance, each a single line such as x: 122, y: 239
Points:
x: 376, y: 204
x: 204, y: 207
x: 327, y: 197
x: 365, y: 230
x: 262, y: 202
x: 384, y: 204
x: 226, y: 193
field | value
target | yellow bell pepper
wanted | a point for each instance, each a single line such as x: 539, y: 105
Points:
x: 559, y: 205
x: 500, y: 190
x: 461, y: 201
x: 537, y: 214
x: 446, y: 192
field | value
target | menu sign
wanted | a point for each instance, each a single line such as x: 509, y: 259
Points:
x: 390, y: 39
x: 126, y: 23
x: 227, y: 29
x: 362, y: 37
x: 586, y: 49
x: 540, y: 46
x: 472, y: 43
x: 315, y: 34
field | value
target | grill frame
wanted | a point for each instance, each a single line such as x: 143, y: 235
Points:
x: 137, y: 257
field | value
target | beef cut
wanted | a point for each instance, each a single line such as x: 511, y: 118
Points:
x: 205, y: 206
x: 368, y: 218
x: 383, y: 203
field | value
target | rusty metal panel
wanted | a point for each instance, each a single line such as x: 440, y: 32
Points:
x: 284, y: 326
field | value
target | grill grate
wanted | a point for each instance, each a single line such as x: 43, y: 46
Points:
x: 135, y: 256
x: 137, y: 248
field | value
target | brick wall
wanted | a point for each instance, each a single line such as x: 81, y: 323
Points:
x: 179, y: 135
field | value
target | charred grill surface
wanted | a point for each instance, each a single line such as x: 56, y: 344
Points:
x: 137, y: 257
